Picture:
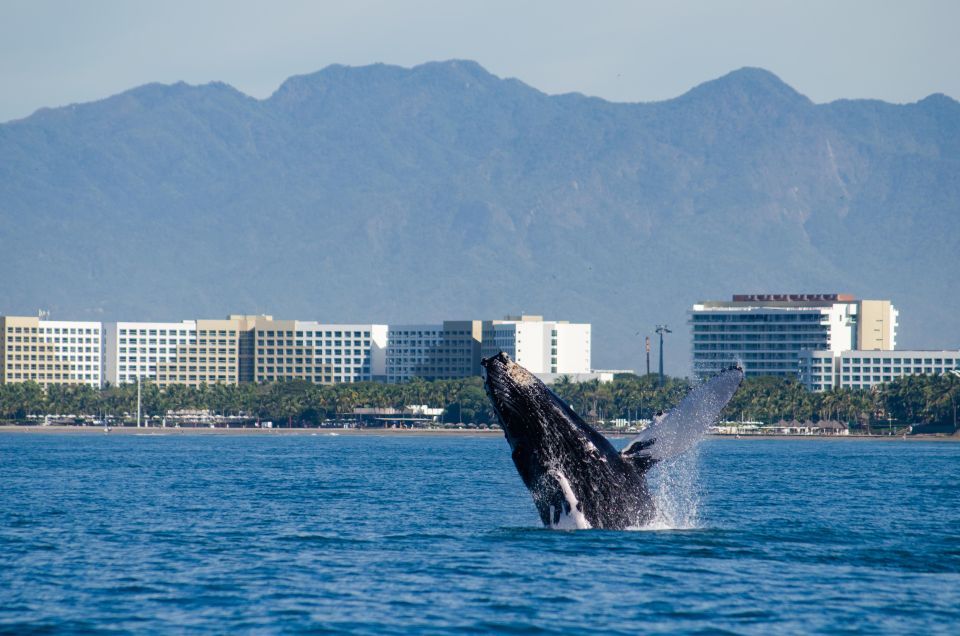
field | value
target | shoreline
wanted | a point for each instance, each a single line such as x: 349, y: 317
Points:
x: 415, y: 432
x: 199, y: 430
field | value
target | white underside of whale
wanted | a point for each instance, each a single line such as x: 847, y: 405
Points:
x: 575, y: 519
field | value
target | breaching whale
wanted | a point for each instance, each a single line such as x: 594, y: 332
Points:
x: 575, y: 475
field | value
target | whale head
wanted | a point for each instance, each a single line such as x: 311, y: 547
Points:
x: 522, y: 402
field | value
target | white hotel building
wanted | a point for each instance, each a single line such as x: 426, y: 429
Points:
x: 243, y: 349
x: 545, y: 347
x: 134, y: 349
x: 766, y: 333
x: 825, y: 370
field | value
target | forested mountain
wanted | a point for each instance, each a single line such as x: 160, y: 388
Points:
x: 385, y: 194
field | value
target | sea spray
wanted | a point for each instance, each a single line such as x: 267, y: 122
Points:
x: 674, y: 486
x: 674, y: 481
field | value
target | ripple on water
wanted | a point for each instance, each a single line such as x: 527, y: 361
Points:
x: 393, y: 535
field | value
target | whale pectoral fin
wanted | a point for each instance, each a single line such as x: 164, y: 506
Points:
x: 684, y: 426
x: 549, y: 499
x: 548, y: 494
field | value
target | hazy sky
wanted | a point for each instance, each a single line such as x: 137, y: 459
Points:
x: 55, y: 53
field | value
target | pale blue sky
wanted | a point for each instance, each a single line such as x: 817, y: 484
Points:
x: 55, y: 53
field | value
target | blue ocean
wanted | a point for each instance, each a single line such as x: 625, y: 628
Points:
x: 418, y: 534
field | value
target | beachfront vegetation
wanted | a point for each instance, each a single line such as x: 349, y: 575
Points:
x: 931, y: 400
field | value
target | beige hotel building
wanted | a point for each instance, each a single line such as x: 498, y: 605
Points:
x: 50, y: 351
x: 317, y: 352
x: 243, y: 349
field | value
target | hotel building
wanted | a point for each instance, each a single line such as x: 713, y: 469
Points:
x: 765, y: 333
x: 859, y: 369
x: 190, y: 352
x: 50, y: 351
x: 432, y: 352
x: 246, y: 349
x: 315, y: 352
x: 542, y: 346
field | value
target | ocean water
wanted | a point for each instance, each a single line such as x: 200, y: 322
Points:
x: 380, y: 535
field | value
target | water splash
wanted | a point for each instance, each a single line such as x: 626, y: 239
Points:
x: 674, y: 440
x: 675, y: 488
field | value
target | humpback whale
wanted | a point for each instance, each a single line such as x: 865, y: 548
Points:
x: 575, y: 475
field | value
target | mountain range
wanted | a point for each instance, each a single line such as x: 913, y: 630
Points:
x: 388, y: 194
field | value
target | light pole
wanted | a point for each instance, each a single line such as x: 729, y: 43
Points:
x: 138, y: 400
x: 648, y: 354
x: 662, y: 329
x: 646, y: 341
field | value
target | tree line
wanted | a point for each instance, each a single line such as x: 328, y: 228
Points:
x: 909, y: 400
